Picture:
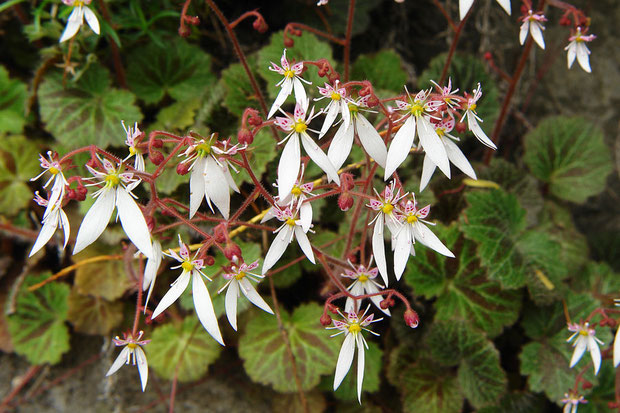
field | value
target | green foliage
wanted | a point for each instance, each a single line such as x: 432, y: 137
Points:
x: 182, y: 348
x: 569, y: 155
x: 260, y: 154
x: 18, y: 164
x: 37, y: 326
x: 12, y: 103
x: 87, y: 111
x: 239, y: 92
x: 93, y: 315
x: 265, y: 356
x: 384, y: 70
x: 177, y: 116
x: 180, y: 70
x: 460, y: 284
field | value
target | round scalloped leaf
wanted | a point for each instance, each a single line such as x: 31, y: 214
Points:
x: 569, y: 155
x: 383, y: 69
x: 37, y: 326
x: 93, y: 315
x: 239, y: 91
x: 19, y: 161
x: 602, y: 394
x: 461, y: 286
x: 88, y: 111
x: 180, y: 70
x: 186, y: 346
x: 260, y: 154
x: 107, y: 279
x: 12, y: 100
x: 265, y: 356
x: 307, y: 47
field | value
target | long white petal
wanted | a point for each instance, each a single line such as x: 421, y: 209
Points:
x: 300, y: 92
x: 340, y: 147
x: 378, y: 248
x: 473, y: 125
x: 371, y: 140
x: 583, y: 57
x: 458, y: 159
x: 229, y: 178
x: 428, y: 238
x: 133, y: 222
x: 216, y: 186
x: 73, y: 24
x: 277, y: 248
x: 252, y: 295
x: 288, y: 167
x: 143, y: 368
x: 305, y: 215
x: 525, y: 28
x: 304, y: 243
x: 595, y: 353
x: 175, y: 291
x: 360, y: 366
x: 91, y: 19
x: 464, y: 6
x: 318, y: 157
x: 580, y: 348
x: 402, y: 250
x: 428, y: 168
x: 96, y: 220
x: 400, y: 146
x: 570, y: 56
x: 332, y: 112
x: 50, y: 224
x: 617, y: 348
x: 505, y: 5
x: 537, y: 34
x: 119, y: 362
x: 230, y: 303
x: 345, y: 359
x: 204, y: 307
x: 196, y: 186
x: 433, y: 146
x: 150, y: 271
x: 346, y: 113
x: 356, y: 289
x: 285, y: 90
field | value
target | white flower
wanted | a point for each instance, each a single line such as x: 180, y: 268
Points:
x: 55, y: 217
x: 296, y: 199
x: 339, y: 103
x: 577, y: 48
x: 116, y: 191
x: 585, y: 340
x: 132, y: 353
x: 571, y: 400
x: 292, y: 81
x: 210, y: 177
x: 52, y: 166
x: 413, y: 228
x: 364, y: 284
x: 202, y: 299
x: 371, y: 141
x: 132, y: 141
x: 420, y: 107
x: 472, y: 118
x: 455, y: 155
x: 285, y: 233
x: 239, y: 281
x: 290, y: 159
x: 385, y: 206
x: 76, y: 18
x: 465, y: 5
x: 617, y: 341
x: 532, y: 23
x: 150, y: 271
x: 352, y: 328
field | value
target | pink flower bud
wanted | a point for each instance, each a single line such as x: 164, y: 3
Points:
x: 183, y: 168
x: 345, y: 201
x: 346, y: 181
x: 156, y: 157
x: 326, y: 320
x: 157, y: 143
x: 209, y: 260
x: 411, y: 318
x: 586, y: 385
x: 245, y: 136
x: 232, y: 250
x: 387, y: 303
x: 260, y: 25
x: 220, y: 233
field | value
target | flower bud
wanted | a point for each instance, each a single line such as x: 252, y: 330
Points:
x: 610, y: 322
x: 586, y: 385
x: 92, y: 162
x: 184, y: 31
x: 156, y: 157
x: 332, y: 308
x: 193, y: 20
x: 260, y: 25
x: 245, y: 136
x: 183, y: 168
x: 288, y: 42
x: 346, y: 181
x: 345, y: 201
x: 387, y: 303
x: 157, y: 143
x: 82, y: 190
x: 209, y: 260
x: 326, y: 319
x: 461, y: 127
x: 220, y: 233
x: 232, y: 250
x: 71, y: 194
x: 411, y: 318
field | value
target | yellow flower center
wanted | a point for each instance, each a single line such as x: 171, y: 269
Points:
x: 353, y: 108
x: 203, y: 149
x: 132, y: 345
x: 240, y: 275
x: 355, y: 328
x: 289, y: 74
x: 187, y: 266
x: 363, y: 278
x: 290, y: 222
x: 296, y: 190
x: 335, y: 96
x: 411, y: 219
x: 583, y: 332
x: 53, y: 170
x: 473, y: 107
x: 440, y: 131
x: 387, y: 208
x: 416, y: 109
x: 132, y: 150
x: 112, y: 180
x: 300, y: 127
x: 78, y: 3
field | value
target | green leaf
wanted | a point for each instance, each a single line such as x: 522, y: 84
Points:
x: 260, y: 154
x: 186, y: 346
x: 569, y: 155
x: 12, y: 103
x: 93, y: 315
x: 178, y: 116
x: 384, y: 70
x: 264, y: 352
x: 461, y: 286
x: 37, y: 326
x: 105, y: 279
x: 603, y: 393
x: 480, y: 376
x: 181, y: 70
x: 307, y: 47
x: 88, y: 111
x: 169, y: 180
x: 239, y: 92
x: 599, y: 279
x: 517, y: 403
